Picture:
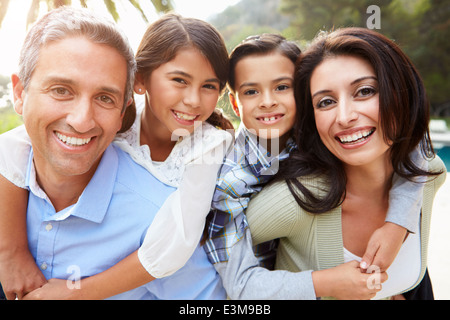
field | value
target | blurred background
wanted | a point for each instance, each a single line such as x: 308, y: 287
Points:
x: 420, y: 27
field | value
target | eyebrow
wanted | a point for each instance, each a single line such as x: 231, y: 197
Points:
x: 252, y: 84
x: 352, y: 83
x: 187, y: 75
x: 67, y: 81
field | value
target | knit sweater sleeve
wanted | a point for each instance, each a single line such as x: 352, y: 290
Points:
x: 272, y: 214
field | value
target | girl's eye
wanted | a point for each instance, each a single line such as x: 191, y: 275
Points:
x: 210, y: 86
x: 282, y: 87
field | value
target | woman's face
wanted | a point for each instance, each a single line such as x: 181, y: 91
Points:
x: 181, y: 92
x: 344, y: 91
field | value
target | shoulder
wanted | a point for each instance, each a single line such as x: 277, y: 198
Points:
x: 437, y: 165
x: 138, y: 181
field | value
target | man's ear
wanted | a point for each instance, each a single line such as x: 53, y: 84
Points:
x: 18, y: 93
x: 234, y: 103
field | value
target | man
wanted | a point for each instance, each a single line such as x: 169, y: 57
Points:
x: 90, y: 205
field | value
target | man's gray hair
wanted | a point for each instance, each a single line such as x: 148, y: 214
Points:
x: 68, y: 22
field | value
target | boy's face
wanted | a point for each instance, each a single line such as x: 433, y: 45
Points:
x: 264, y: 95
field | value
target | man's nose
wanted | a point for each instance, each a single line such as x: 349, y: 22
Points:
x: 81, y: 115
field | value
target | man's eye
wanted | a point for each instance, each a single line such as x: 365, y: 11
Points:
x: 60, y: 91
x: 106, y: 99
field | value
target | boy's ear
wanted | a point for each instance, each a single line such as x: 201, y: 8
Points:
x: 18, y: 93
x: 234, y: 103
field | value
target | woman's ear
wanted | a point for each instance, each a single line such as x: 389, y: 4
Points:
x: 234, y: 104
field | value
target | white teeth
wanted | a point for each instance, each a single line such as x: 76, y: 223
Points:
x: 184, y: 116
x: 269, y: 119
x: 72, y: 141
x: 356, y: 136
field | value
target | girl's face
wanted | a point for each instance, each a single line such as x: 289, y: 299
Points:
x: 182, y: 91
x: 264, y: 95
x: 344, y: 91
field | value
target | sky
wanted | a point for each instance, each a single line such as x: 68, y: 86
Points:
x: 13, y: 29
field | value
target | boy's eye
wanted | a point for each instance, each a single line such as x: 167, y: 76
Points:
x: 250, y: 92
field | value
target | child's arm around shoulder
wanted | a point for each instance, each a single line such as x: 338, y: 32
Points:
x: 14, y: 155
x: 405, y: 202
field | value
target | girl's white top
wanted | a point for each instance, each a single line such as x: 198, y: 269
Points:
x: 191, y: 168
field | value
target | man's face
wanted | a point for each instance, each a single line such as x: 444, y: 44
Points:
x: 72, y: 106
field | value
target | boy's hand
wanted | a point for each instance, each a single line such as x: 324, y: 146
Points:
x: 383, y: 246
x: 347, y: 282
x: 19, y: 274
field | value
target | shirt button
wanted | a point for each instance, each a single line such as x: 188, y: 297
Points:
x: 48, y: 227
x: 44, y: 266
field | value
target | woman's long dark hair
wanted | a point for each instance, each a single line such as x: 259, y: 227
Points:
x: 404, y: 115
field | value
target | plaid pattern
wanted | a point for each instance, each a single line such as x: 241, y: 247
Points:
x: 246, y: 169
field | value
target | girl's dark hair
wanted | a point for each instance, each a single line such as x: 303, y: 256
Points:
x: 403, y: 108
x: 171, y: 33
x: 258, y: 45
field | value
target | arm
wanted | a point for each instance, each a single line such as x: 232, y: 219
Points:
x: 125, y: 275
x: 169, y: 242
x: 18, y: 271
x: 184, y: 212
x: 405, y: 201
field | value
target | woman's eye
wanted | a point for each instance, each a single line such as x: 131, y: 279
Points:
x: 179, y: 80
x: 366, y: 91
x: 324, y: 103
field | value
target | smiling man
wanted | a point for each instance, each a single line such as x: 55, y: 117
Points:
x: 89, y: 203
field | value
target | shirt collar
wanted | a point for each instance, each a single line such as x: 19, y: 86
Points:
x: 94, y: 201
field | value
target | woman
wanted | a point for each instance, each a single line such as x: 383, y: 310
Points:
x: 362, y: 112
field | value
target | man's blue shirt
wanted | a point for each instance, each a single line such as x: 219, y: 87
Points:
x: 109, y: 222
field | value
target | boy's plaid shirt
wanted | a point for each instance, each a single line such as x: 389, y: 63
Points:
x: 246, y: 169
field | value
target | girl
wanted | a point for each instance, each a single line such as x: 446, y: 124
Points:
x: 182, y: 69
x: 362, y: 112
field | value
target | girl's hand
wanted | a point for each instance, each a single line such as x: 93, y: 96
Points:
x: 54, y: 289
x: 19, y: 274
